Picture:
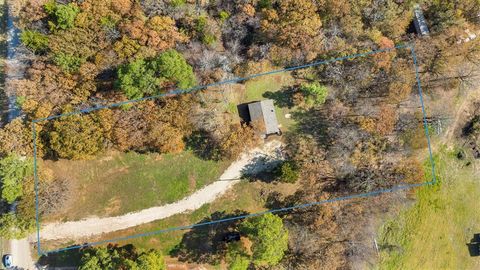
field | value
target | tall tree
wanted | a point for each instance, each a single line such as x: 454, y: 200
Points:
x: 147, y: 77
x: 173, y: 67
x: 138, y: 78
x: 237, y: 257
x: 269, y: 239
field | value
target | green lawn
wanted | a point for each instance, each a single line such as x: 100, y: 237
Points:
x: 433, y: 233
x: 125, y: 182
x: 257, y: 88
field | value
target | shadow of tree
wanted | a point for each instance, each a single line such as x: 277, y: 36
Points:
x: 263, y: 168
x: 282, y: 98
x: 205, y: 244
x: 311, y: 122
x: 203, y: 145
x: 474, y: 246
x: 469, y: 128
x: 65, y: 258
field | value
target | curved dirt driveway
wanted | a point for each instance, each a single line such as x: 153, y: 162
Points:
x: 94, y: 226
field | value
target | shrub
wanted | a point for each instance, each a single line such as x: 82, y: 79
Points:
x: 223, y: 15
x: 177, y: 3
x: 124, y: 257
x: 236, y: 140
x: 288, y: 172
x: 35, y: 41
x: 208, y: 39
x: 204, y: 31
x: 67, y: 62
x: 108, y: 22
x: 151, y: 260
x: 315, y: 93
x: 14, y: 227
x: 264, y: 4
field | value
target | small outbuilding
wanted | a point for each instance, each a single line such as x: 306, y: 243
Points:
x: 263, y: 117
x: 419, y: 21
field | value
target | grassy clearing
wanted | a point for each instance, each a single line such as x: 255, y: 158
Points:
x: 245, y: 196
x: 125, y: 182
x: 256, y: 89
x: 433, y: 233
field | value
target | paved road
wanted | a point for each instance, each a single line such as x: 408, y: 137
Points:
x: 22, y: 257
x: 96, y: 225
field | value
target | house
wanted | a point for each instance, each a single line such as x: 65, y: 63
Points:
x: 263, y: 117
x: 419, y: 21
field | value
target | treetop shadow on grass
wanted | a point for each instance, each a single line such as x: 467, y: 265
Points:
x: 67, y: 258
x: 311, y: 122
x: 203, y: 145
x: 263, y: 168
x: 205, y: 244
x: 282, y: 98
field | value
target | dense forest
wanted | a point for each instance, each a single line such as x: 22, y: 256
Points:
x: 353, y: 131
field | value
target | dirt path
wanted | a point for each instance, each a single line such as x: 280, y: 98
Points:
x: 94, y: 226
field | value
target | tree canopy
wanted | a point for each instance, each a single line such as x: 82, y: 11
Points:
x: 78, y: 136
x: 269, y: 239
x: 13, y: 171
x: 173, y: 67
x: 152, y: 260
x: 315, y: 93
x: 138, y: 78
x: 15, y: 227
x: 34, y: 40
x: 126, y: 257
x: 147, y: 76
x: 63, y: 15
x: 237, y: 257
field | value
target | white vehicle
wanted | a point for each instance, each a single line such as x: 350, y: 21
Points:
x: 7, y: 260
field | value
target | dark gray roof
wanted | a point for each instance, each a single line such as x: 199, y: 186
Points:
x: 419, y: 21
x: 264, y: 111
